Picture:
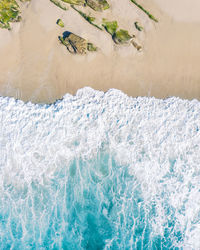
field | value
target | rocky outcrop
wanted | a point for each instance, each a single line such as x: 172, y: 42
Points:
x: 76, y: 44
x: 59, y: 4
x: 75, y: 2
x: 9, y: 12
x: 88, y: 18
x: 110, y: 26
x: 145, y: 11
x: 121, y: 36
x: 98, y: 5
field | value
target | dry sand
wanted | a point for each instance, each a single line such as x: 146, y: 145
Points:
x: 35, y: 67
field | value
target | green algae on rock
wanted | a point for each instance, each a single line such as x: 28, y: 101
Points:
x: 98, y: 5
x: 88, y: 18
x: 110, y: 27
x: 76, y: 44
x: 91, y: 47
x: 9, y: 12
x: 138, y: 26
x: 145, y: 11
x: 121, y: 36
x: 75, y: 2
x: 59, y: 4
x: 60, y: 23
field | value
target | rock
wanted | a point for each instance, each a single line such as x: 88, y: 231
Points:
x: 75, y: 2
x: 91, y: 47
x: 138, y: 26
x: 76, y: 44
x: 121, y: 36
x: 88, y: 18
x: 59, y: 4
x: 136, y: 45
x: 98, y: 5
x: 60, y: 23
x: 110, y: 27
x: 9, y: 12
x: 145, y: 11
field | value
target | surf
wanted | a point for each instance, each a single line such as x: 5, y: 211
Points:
x: 100, y: 171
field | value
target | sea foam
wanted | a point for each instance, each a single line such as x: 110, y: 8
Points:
x: 100, y: 171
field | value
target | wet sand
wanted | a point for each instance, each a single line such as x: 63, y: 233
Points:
x: 35, y: 67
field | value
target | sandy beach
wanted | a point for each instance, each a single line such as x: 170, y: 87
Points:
x: 35, y: 67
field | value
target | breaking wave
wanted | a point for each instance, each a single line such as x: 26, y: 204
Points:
x: 100, y: 171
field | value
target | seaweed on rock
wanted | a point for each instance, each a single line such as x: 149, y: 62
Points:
x: 88, y: 18
x: 91, y: 47
x: 121, y: 36
x: 60, y: 23
x: 59, y: 4
x: 75, y: 2
x: 76, y: 44
x: 9, y: 12
x: 138, y: 26
x: 110, y: 27
x: 98, y: 5
x: 145, y: 11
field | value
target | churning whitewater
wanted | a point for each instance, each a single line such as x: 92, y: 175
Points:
x: 100, y: 171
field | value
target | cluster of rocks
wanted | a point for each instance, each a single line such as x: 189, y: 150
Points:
x: 10, y: 12
x: 79, y: 45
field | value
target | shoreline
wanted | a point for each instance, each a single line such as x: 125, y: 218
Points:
x: 37, y: 68
x: 91, y: 90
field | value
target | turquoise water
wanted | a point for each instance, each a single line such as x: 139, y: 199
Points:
x: 100, y: 171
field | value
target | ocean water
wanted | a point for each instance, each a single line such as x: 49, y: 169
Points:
x: 100, y: 171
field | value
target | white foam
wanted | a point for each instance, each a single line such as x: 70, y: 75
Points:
x: 158, y: 140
